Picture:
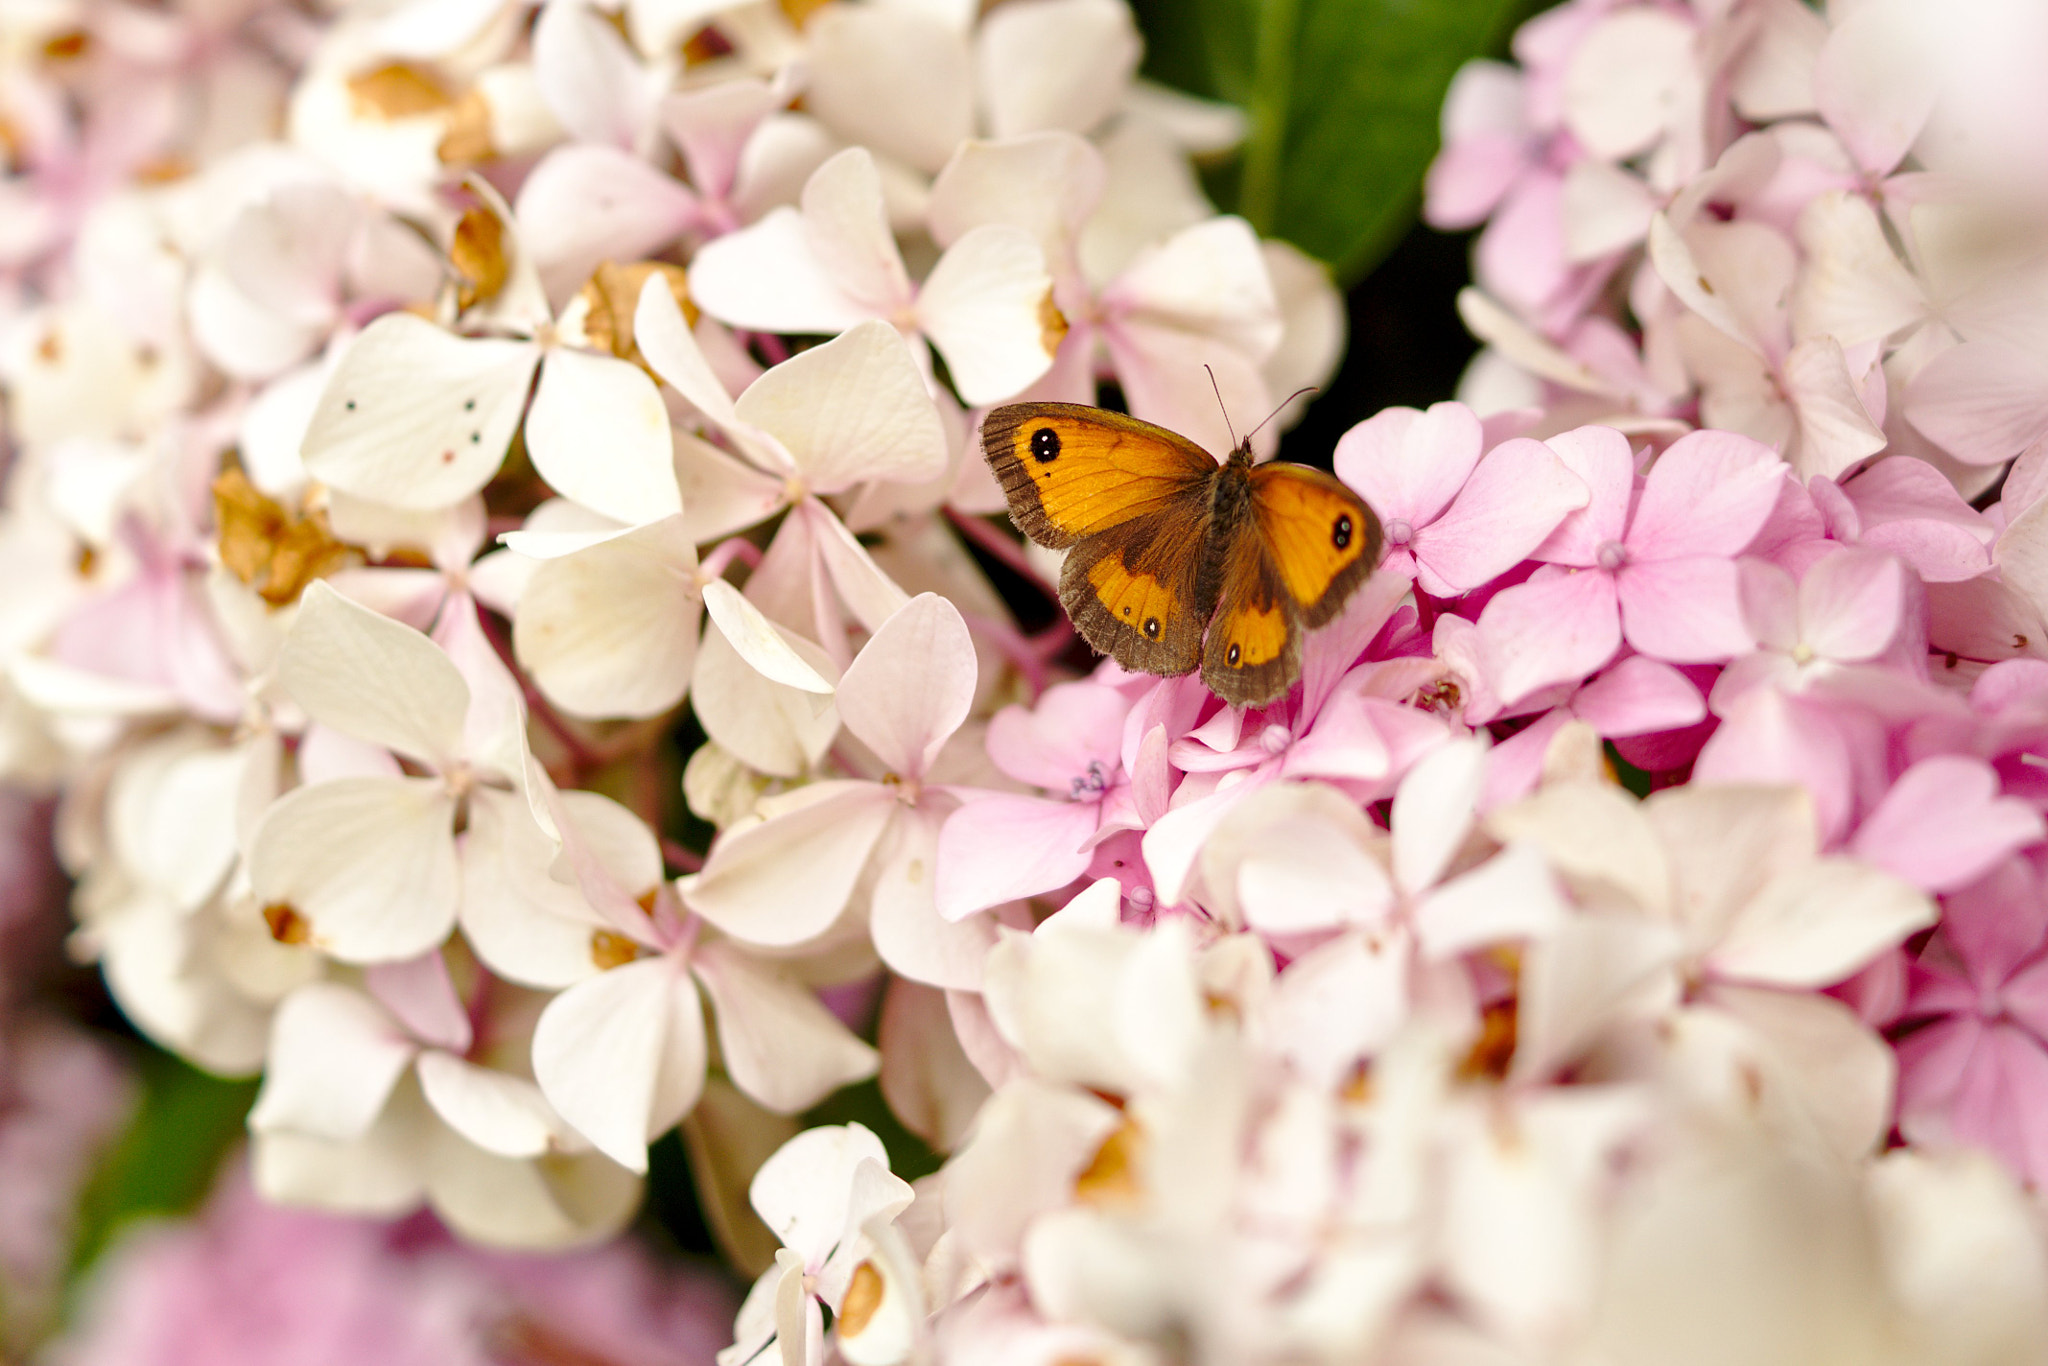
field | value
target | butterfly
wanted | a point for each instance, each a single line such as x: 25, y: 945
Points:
x: 1176, y: 561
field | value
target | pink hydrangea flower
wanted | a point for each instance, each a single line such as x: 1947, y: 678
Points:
x: 1976, y: 1070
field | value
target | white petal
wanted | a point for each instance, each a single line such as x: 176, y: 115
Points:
x: 786, y: 879
x: 985, y: 306
x: 541, y: 1204
x: 611, y: 630
x: 1511, y: 896
x: 369, y: 863
x: 1209, y: 278
x: 1816, y: 924
x: 170, y: 814
x: 598, y: 433
x: 498, y: 1112
x: 334, y: 1056
x: 1046, y: 183
x: 853, y: 409
x: 768, y: 726
x: 778, y: 1044
x: 768, y: 278
x: 869, y: 593
x: 1058, y: 64
x: 804, y: 1192
x: 377, y: 1174
x: 892, y: 78
x: 1434, y: 810
x: 418, y: 417
x: 601, y: 1047
x: 526, y: 926
x: 664, y: 338
x: 369, y: 677
x: 760, y: 641
x: 911, y: 685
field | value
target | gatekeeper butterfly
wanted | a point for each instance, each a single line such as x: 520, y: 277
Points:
x: 1177, y: 561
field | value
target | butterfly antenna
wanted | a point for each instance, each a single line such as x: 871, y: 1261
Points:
x: 1310, y: 389
x: 1226, y: 408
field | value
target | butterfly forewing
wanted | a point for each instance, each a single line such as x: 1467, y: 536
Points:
x: 1322, y: 539
x: 1071, y: 471
x: 1135, y: 592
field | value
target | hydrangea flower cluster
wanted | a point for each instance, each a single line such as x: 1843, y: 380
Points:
x: 411, y: 412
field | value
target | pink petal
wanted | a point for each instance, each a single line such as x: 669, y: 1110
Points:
x: 421, y: 994
x: 1875, y: 85
x: 1469, y: 177
x: 1409, y: 464
x: 1509, y: 505
x: 2003, y: 1102
x: 1996, y: 922
x: 1556, y: 628
x: 1982, y: 402
x: 1710, y: 493
x: 1053, y: 743
x: 1850, y: 604
x: 911, y: 686
x: 1771, y: 739
x: 1638, y: 696
x: 1686, y: 611
x: 1003, y: 848
x: 1515, y: 765
x: 1931, y: 1069
x: 585, y: 204
x: 2025, y: 997
x: 1601, y: 458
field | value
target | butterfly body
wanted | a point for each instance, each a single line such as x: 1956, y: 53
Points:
x: 1177, y: 562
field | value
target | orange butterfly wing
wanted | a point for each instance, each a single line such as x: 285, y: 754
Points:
x: 1321, y: 536
x: 1131, y: 503
x: 1071, y: 471
x: 1253, y: 651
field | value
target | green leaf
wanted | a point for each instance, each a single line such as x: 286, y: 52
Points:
x: 165, y: 1161
x: 1343, y: 98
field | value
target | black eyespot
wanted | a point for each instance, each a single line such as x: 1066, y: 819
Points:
x: 1045, y: 445
x: 1231, y: 658
x: 1127, y: 611
x: 1340, y: 534
x: 1152, y: 627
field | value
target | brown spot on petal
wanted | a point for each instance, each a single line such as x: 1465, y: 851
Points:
x: 1494, y: 1049
x: 65, y: 46
x: 707, y: 44
x: 799, y: 12
x: 478, y: 255
x: 1111, y: 1177
x: 2019, y: 642
x: 269, y: 547
x: 51, y: 348
x: 287, y: 926
x: 611, y: 296
x: 468, y: 138
x: 88, y: 560
x: 609, y: 950
x: 1706, y: 285
x: 1357, y: 1088
x: 864, y: 1295
x: 1052, y: 324
x: 164, y: 170
x: 397, y: 91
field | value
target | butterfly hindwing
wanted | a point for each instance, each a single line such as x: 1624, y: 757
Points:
x: 1135, y: 592
x: 1071, y: 471
x: 1253, y: 651
x: 1322, y: 539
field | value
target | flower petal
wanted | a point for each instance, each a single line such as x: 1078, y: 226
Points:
x: 986, y: 306
x: 415, y: 416
x: 1813, y: 925
x: 778, y: 1044
x: 786, y: 879
x: 369, y: 863
x: 371, y: 678
x: 911, y: 685
x: 335, y: 1056
x: 611, y: 630
x: 602, y: 1048
x: 1686, y: 611
x: 853, y: 409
